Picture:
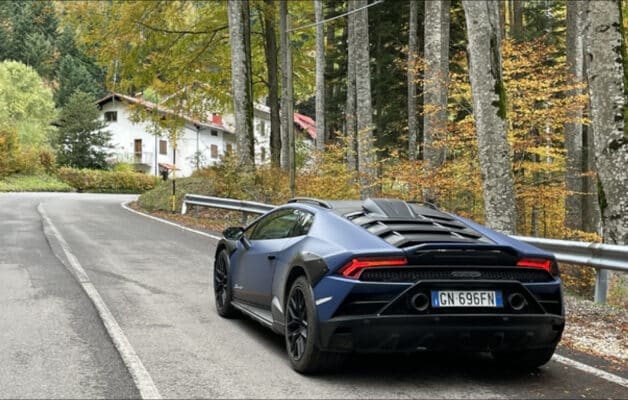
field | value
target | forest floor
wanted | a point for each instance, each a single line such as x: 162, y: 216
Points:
x: 595, y: 329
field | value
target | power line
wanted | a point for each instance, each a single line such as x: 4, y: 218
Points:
x: 336, y: 17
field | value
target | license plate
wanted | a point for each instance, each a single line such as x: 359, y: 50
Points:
x: 467, y: 298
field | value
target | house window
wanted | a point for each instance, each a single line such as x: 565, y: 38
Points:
x: 163, y: 147
x: 229, y: 148
x: 214, y: 132
x: 262, y: 128
x: 111, y: 116
x: 263, y: 154
x: 213, y: 151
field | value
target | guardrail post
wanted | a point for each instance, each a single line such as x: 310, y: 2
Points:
x: 601, y: 285
x: 245, y: 216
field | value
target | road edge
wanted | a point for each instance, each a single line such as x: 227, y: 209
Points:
x: 125, y: 205
x: 142, y: 379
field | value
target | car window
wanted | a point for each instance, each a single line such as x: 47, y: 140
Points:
x: 304, y: 222
x: 278, y: 225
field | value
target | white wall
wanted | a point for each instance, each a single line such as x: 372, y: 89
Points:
x: 261, y: 132
x: 125, y: 132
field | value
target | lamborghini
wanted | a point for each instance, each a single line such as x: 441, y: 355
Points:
x: 386, y: 275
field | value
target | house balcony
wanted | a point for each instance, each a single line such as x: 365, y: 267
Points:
x: 144, y: 158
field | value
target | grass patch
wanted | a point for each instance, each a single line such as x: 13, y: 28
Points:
x: 33, y: 183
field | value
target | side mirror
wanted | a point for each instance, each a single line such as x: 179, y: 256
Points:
x: 233, y: 233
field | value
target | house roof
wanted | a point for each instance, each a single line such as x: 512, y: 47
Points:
x: 303, y: 121
x: 153, y: 106
x: 306, y: 123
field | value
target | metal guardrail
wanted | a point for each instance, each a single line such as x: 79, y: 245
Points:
x: 246, y: 207
x: 602, y: 257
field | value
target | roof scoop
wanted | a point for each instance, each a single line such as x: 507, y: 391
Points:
x: 391, y: 208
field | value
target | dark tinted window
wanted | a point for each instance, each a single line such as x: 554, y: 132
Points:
x: 304, y: 222
x: 278, y: 225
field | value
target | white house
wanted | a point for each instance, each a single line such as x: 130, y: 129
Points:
x: 200, y: 143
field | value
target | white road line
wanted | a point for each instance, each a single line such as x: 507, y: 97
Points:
x: 125, y: 205
x: 591, y: 370
x: 142, y: 379
x: 563, y: 360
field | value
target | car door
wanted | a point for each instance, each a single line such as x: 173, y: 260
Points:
x: 256, y: 265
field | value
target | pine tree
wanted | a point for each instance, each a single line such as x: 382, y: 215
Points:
x: 73, y: 75
x: 82, y: 141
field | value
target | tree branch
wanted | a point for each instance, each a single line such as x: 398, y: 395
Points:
x: 177, y: 31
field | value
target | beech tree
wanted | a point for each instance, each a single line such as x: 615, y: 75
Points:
x: 320, y: 75
x: 413, y: 49
x: 489, y: 110
x: 239, y: 38
x: 364, y: 111
x: 436, y: 82
x: 607, y: 89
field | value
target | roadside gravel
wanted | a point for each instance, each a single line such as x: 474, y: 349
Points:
x: 596, y: 329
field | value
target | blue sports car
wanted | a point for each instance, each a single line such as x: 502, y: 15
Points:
x: 384, y: 275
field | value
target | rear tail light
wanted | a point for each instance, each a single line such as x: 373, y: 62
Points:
x: 353, y: 269
x: 542, y: 263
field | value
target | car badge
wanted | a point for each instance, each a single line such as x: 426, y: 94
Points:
x: 466, y: 274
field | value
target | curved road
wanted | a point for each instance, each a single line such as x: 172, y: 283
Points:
x: 154, y: 278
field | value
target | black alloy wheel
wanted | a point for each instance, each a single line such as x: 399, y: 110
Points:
x: 296, y: 324
x: 222, y: 291
x: 301, y: 331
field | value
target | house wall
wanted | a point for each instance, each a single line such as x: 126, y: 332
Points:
x: 125, y: 132
x: 261, y: 133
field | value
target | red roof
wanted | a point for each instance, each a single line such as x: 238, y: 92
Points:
x: 306, y: 123
x: 152, y: 106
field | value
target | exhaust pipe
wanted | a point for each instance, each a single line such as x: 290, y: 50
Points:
x: 420, y: 302
x: 517, y: 301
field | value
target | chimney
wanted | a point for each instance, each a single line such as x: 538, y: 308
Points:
x: 216, y: 119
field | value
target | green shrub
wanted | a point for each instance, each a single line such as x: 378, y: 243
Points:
x: 9, y: 149
x: 123, y: 167
x: 33, y: 183
x: 160, y: 197
x: 98, y: 181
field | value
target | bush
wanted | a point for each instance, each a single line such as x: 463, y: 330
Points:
x: 9, y: 149
x: 96, y: 181
x: 159, y: 198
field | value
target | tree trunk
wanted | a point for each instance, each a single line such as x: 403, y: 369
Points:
x: 320, y: 76
x: 350, y: 109
x: 489, y: 110
x: 270, y: 50
x: 607, y: 91
x: 574, y: 180
x: 413, y: 123
x: 436, y: 83
x: 241, y: 81
x: 516, y: 27
x: 331, y: 88
x: 364, y: 111
x: 287, y: 118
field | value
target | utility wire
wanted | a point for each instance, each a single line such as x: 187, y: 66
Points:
x: 336, y: 17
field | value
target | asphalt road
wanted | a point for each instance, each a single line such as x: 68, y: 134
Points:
x: 154, y: 278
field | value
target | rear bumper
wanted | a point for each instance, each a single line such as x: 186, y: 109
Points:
x: 410, y: 333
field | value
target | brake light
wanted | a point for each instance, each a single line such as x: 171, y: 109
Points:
x: 353, y: 269
x: 541, y: 263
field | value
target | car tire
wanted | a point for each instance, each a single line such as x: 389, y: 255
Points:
x: 301, y: 332
x: 524, y: 359
x: 222, y: 286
